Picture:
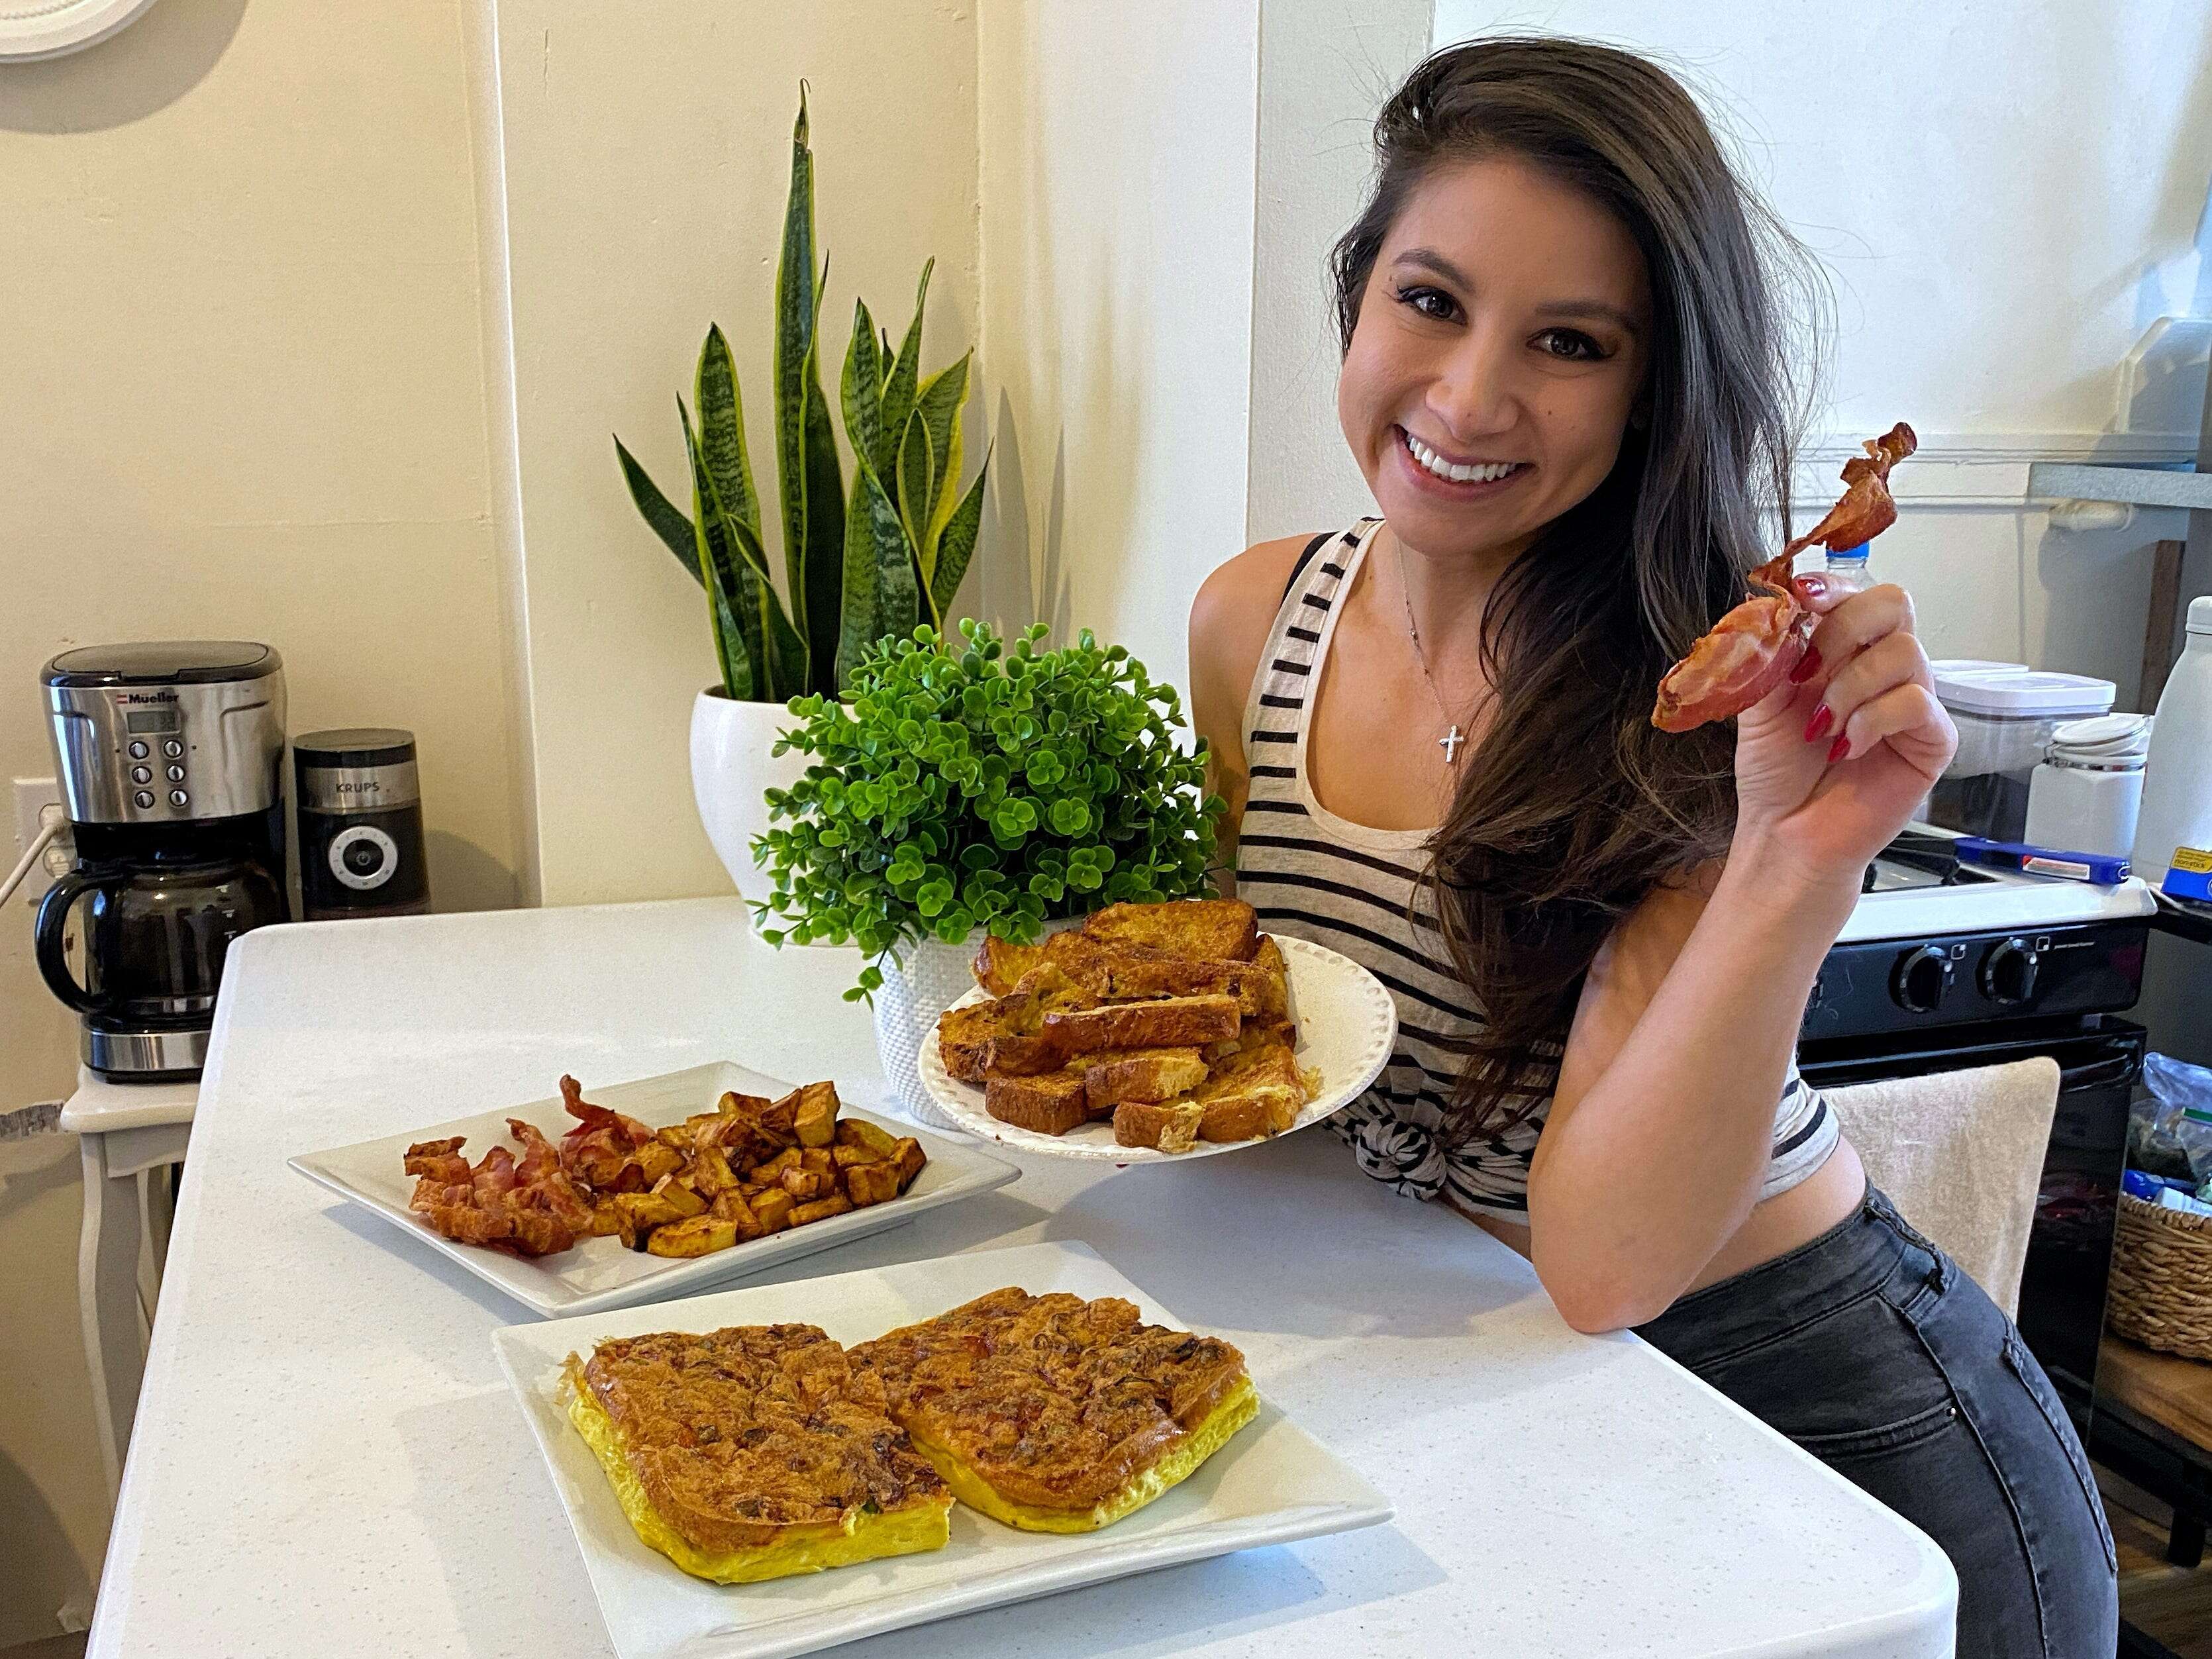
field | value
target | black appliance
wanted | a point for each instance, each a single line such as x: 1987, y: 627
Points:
x: 1947, y: 967
x: 361, y: 824
x: 170, y: 757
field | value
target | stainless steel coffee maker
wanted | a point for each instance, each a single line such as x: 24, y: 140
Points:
x: 171, y: 758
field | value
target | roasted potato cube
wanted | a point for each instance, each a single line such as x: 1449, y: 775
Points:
x: 699, y: 1234
x: 816, y: 1123
x: 846, y: 1157
x: 672, y: 1190
x: 709, y: 1172
x: 910, y: 1158
x: 626, y: 1178
x: 821, y: 1209
x: 857, y: 1132
x: 774, y: 1207
x: 872, y: 1183
x: 779, y: 1122
x: 817, y: 1159
x: 606, y: 1219
x: 769, y: 1172
x: 677, y: 1135
x: 807, y: 1185
x: 733, y: 1104
x: 645, y: 1210
x: 731, y: 1206
x: 655, y: 1159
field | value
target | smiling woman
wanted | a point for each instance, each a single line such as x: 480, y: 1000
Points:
x: 1570, y: 380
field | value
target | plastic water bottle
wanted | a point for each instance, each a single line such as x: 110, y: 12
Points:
x: 2177, y: 797
x: 1848, y: 571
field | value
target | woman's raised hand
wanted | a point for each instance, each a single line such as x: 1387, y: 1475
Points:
x: 1830, y: 765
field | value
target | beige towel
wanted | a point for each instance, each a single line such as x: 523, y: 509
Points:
x: 1960, y: 1154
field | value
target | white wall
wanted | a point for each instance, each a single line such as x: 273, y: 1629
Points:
x: 242, y: 392
x: 1325, y: 69
x: 1117, y: 146
x: 646, y: 155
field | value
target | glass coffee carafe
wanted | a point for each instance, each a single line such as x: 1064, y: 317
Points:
x: 154, y: 933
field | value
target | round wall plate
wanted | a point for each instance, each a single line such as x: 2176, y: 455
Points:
x: 31, y: 29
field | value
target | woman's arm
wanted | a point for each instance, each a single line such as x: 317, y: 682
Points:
x: 1230, y: 621
x: 1659, y: 1134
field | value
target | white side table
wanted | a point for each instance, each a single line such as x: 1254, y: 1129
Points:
x: 128, y: 1135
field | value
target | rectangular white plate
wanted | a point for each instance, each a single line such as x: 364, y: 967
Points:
x: 598, y: 1273
x: 1272, y: 1484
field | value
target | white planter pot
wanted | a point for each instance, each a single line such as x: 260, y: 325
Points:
x: 731, y: 771
x: 934, y: 977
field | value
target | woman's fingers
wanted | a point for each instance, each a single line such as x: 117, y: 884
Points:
x: 1851, y: 621
x: 1893, y: 659
x: 1910, y: 719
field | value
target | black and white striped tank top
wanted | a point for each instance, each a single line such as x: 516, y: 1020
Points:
x: 1314, y: 875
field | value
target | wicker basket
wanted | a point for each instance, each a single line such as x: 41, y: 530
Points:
x: 2162, y: 1287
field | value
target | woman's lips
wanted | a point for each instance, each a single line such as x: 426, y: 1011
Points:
x: 1423, y: 466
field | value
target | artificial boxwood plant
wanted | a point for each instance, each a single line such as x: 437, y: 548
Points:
x: 970, y: 783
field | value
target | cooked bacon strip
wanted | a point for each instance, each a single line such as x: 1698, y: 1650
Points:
x: 439, y: 1160
x: 1867, y: 508
x: 1751, y: 650
x: 595, y: 1150
x: 531, y: 1206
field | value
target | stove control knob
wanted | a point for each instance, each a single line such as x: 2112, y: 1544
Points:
x: 2008, y: 972
x: 1918, y: 981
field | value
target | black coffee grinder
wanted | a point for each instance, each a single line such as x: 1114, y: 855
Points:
x: 170, y: 760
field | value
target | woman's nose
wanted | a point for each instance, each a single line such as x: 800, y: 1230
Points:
x: 1472, y: 394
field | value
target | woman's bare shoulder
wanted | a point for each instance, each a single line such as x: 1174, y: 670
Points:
x: 1236, y: 606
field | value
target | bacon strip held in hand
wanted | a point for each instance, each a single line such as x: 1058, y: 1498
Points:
x: 1751, y: 650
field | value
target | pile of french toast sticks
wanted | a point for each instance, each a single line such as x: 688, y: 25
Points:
x: 1173, y: 1020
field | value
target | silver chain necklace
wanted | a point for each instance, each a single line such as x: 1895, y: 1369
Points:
x: 1452, y: 740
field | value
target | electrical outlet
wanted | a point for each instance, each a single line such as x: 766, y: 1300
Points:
x: 38, y: 802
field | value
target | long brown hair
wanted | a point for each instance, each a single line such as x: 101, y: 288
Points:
x: 1573, y: 808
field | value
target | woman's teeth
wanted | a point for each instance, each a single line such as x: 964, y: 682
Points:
x: 1488, y: 473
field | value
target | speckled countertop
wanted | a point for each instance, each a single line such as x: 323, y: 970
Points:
x: 326, y: 1461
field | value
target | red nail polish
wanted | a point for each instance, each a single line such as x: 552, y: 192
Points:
x: 1823, y: 718
x: 1838, y: 749
x: 1808, y: 665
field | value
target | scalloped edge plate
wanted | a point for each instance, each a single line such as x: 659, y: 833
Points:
x: 1347, y: 1024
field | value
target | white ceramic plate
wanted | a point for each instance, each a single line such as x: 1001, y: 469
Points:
x: 1347, y: 1025
x: 598, y: 1273
x: 1272, y: 1484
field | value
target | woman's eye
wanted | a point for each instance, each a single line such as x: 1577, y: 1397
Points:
x: 1430, y: 302
x: 1571, y: 344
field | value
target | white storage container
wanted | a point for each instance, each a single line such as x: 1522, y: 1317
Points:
x: 2084, y: 797
x: 2177, y: 802
x: 2007, y: 714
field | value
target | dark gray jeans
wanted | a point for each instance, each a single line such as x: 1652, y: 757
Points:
x: 1870, y: 1349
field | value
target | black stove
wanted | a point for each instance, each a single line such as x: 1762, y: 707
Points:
x: 1945, y: 966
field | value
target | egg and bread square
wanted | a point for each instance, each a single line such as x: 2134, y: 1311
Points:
x: 1052, y: 1414
x: 755, y: 1452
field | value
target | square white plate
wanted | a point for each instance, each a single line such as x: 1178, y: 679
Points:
x: 598, y: 1273
x: 1272, y: 1484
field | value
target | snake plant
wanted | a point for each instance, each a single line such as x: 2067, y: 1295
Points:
x: 883, y: 559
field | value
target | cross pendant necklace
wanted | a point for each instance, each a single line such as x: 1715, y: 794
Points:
x: 1452, y: 740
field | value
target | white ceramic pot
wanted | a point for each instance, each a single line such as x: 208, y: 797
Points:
x: 934, y: 977
x: 731, y: 771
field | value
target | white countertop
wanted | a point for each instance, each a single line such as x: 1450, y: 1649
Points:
x: 326, y: 1461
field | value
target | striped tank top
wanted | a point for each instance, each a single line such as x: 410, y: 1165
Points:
x: 1316, y: 875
